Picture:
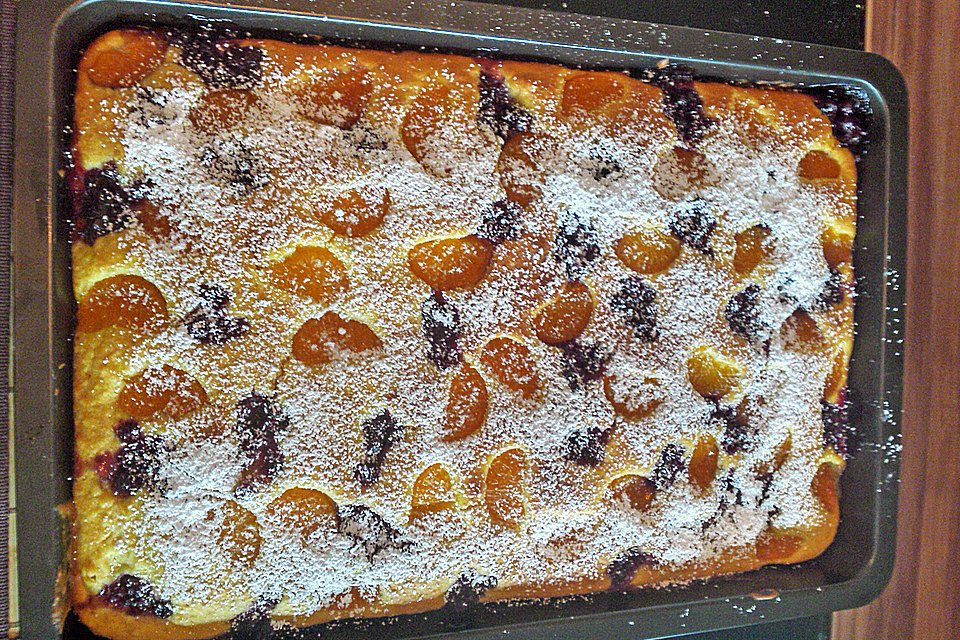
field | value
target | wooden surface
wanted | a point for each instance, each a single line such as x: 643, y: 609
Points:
x: 922, y: 602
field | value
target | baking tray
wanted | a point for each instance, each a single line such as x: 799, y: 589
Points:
x: 852, y: 571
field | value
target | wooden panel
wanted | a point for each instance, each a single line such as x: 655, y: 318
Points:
x: 923, y: 39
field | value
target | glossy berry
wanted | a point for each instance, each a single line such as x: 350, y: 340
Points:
x: 585, y: 445
x: 369, y: 529
x: 442, y: 328
x: 583, y: 363
x: 208, y: 323
x: 668, y: 466
x: 234, y: 163
x: 833, y: 292
x: 838, y: 429
x: 736, y: 435
x: 497, y: 109
x: 128, y: 431
x: 136, y: 466
x: 743, y: 314
x: 501, y: 221
x: 259, y: 420
x: 625, y: 565
x: 380, y: 433
x: 103, y: 205
x: 682, y: 103
x: 467, y: 590
x: 692, y: 224
x: 136, y: 597
x: 635, y: 302
x: 219, y: 61
x: 849, y: 112
x: 576, y: 246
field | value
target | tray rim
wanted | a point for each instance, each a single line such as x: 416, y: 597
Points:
x: 40, y: 455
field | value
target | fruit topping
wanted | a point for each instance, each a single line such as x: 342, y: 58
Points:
x: 320, y: 341
x: 442, y: 329
x: 368, y: 529
x: 522, y: 166
x: 743, y: 314
x: 208, y: 321
x: 135, y: 465
x: 703, y: 461
x: 817, y: 165
x: 123, y: 301
x: 833, y: 292
x: 625, y: 565
x: 103, y: 205
x: 824, y: 486
x: 380, y: 433
x: 682, y: 103
x: 353, y: 215
x: 128, y: 56
x: 577, y: 245
x: 220, y: 62
x: 336, y: 98
x: 668, y: 466
x: 451, y: 263
x: 128, y: 431
x: 736, y: 436
x: 504, y: 487
x: 635, y: 302
x: 583, y: 363
x: 466, y: 409
x: 601, y: 163
x: 633, y: 397
x: 635, y: 491
x: 259, y: 420
x: 136, y: 597
x: 838, y: 428
x: 314, y: 272
x: 499, y: 110
x: 752, y: 247
x: 165, y: 390
x: 432, y: 490
x: 648, y: 249
x: 302, y: 510
x: 692, y: 223
x: 585, y: 445
x: 565, y: 316
x: 467, y: 590
x: 239, y: 535
x: 511, y: 363
x: 849, y: 112
x: 711, y: 374
x: 501, y: 221
x: 233, y: 163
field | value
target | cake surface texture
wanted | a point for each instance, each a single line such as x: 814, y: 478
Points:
x: 364, y: 333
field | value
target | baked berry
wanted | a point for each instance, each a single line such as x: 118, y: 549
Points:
x: 499, y: 110
x: 501, y: 221
x: 369, y: 529
x: 467, y: 590
x: 692, y: 224
x: 219, y: 61
x: 602, y: 164
x: 103, y: 205
x: 585, y: 445
x: 743, y: 314
x: 136, y: 466
x: 635, y: 302
x: 442, y: 328
x: 682, y: 103
x: 261, y: 466
x: 576, y: 246
x: 849, y: 112
x: 136, y: 597
x: 128, y: 431
x: 668, y: 466
x: 234, y: 163
x: 736, y: 436
x: 364, y: 138
x: 260, y: 418
x: 583, y: 363
x: 623, y: 567
x: 208, y: 323
x: 838, y: 429
x: 833, y: 292
x: 380, y: 433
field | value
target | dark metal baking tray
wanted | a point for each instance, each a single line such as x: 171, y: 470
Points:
x: 852, y: 571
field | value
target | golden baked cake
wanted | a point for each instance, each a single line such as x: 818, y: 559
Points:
x: 364, y: 333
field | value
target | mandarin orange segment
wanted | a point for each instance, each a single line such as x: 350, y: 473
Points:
x: 775, y: 546
x: 452, y: 262
x: 130, y: 55
x: 511, y: 363
x: 303, y: 510
x: 430, y: 118
x: 824, y: 487
x: 165, y: 390
x: 633, y: 397
x: 752, y: 247
x: 239, y: 535
x: 354, y: 215
x: 837, y: 238
x: 314, y: 272
x: 504, y: 487
x: 837, y: 378
x: 712, y: 374
x: 566, y: 315
x: 589, y: 92
x: 336, y: 97
x: 636, y: 491
x: 648, y: 249
x: 818, y: 165
x: 221, y: 110
x: 322, y: 340
x: 433, y: 489
x: 703, y: 461
x: 466, y: 408
x: 124, y: 301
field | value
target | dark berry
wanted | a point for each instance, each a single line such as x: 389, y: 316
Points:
x: 585, y: 445
x: 499, y: 110
x: 136, y: 597
x: 128, y: 431
x: 380, y: 433
x: 849, y: 112
x: 442, y: 328
x: 833, y: 292
x: 743, y: 314
x: 103, y: 205
x: 838, y: 429
x: 368, y: 528
x: 467, y: 590
x: 682, y: 103
x: 602, y: 164
x: 692, y: 224
x: 737, y: 436
x: 668, y: 466
x: 260, y: 468
x: 635, y: 302
x: 501, y: 221
x: 219, y: 61
x: 260, y: 418
x: 234, y: 163
x: 363, y: 138
x: 583, y: 363
x: 137, y: 466
x: 625, y: 565
x: 576, y: 246
x: 208, y: 322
